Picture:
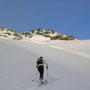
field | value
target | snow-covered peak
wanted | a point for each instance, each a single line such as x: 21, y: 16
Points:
x: 9, y: 34
x: 34, y: 35
x: 50, y: 34
x: 39, y: 38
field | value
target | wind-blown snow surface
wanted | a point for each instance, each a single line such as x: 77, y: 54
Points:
x: 69, y: 64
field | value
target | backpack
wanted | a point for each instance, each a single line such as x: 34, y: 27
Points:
x: 40, y: 61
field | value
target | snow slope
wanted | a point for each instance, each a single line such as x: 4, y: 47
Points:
x: 79, y: 47
x: 69, y: 66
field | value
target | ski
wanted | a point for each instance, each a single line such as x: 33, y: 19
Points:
x: 42, y: 83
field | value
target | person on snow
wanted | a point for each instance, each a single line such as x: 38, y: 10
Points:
x: 40, y: 66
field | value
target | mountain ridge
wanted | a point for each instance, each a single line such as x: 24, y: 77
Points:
x: 50, y: 34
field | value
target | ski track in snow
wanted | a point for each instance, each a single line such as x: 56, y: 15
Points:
x: 65, y: 49
x: 74, y: 52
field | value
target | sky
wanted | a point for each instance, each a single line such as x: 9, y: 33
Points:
x: 70, y: 17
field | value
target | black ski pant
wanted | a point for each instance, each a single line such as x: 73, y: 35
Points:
x: 41, y: 71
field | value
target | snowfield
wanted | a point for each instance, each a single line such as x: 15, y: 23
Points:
x: 69, y: 64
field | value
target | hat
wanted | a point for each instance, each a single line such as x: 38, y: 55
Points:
x: 41, y: 57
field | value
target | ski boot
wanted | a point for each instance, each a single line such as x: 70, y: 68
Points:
x: 41, y: 80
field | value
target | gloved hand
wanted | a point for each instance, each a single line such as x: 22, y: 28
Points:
x: 47, y: 67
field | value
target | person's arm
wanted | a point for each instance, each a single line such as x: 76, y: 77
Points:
x: 36, y: 64
x: 46, y: 64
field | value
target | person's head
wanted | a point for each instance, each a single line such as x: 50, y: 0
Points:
x: 41, y: 57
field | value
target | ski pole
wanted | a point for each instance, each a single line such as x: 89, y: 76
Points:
x: 36, y: 74
x: 35, y: 77
x: 47, y: 74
